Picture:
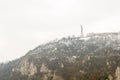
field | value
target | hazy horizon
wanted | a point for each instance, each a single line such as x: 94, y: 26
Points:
x: 26, y: 24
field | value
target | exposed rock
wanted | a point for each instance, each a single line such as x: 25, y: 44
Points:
x: 44, y: 69
x: 28, y: 68
x: 32, y: 69
x: 117, y: 73
x: 62, y: 65
x: 110, y: 77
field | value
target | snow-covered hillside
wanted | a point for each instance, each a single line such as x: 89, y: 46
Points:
x: 94, y: 57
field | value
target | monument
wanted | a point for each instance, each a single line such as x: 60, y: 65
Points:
x: 82, y: 35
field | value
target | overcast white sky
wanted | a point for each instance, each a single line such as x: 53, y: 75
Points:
x: 24, y: 24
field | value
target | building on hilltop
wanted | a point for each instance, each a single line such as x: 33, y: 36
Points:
x: 102, y: 34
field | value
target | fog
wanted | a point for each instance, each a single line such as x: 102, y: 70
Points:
x: 25, y: 24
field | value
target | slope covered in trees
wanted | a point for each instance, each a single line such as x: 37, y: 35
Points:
x: 96, y: 57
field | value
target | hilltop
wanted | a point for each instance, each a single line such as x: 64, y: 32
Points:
x: 94, y: 57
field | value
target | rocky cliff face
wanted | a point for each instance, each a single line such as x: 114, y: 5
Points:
x: 117, y: 73
x: 27, y: 68
x: 91, y: 58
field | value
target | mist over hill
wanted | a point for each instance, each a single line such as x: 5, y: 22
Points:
x: 94, y: 57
